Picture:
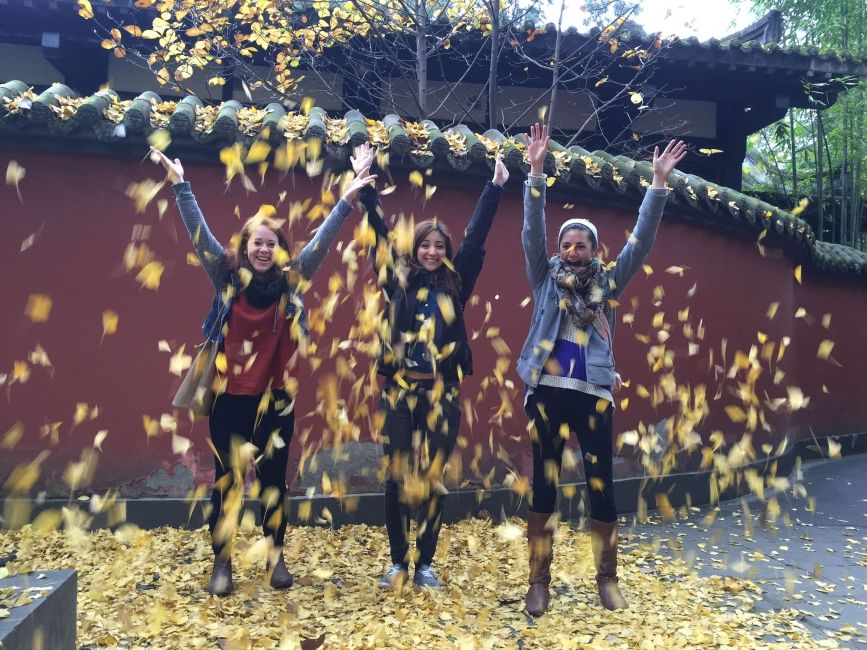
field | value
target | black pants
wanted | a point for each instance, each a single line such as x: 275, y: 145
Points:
x: 549, y: 409
x: 419, y: 434
x: 233, y: 422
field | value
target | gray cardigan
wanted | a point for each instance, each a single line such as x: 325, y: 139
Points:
x: 545, y: 321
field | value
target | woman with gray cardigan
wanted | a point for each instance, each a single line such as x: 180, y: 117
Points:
x: 567, y: 363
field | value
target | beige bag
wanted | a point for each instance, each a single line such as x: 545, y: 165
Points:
x: 196, y: 392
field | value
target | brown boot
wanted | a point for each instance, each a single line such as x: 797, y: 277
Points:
x: 280, y: 576
x: 221, y: 577
x: 541, y: 542
x: 603, y: 539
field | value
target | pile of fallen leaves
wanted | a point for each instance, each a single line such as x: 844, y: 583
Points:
x: 145, y: 589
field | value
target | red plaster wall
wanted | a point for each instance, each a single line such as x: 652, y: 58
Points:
x: 84, y: 222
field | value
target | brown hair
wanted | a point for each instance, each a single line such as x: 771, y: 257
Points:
x: 444, y: 278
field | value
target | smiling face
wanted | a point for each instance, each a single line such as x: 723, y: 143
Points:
x: 260, y: 248
x: 431, y: 251
x: 576, y: 247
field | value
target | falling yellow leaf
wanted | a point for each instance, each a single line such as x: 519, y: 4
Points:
x: 160, y: 139
x: 109, y: 322
x: 636, y: 98
x: 772, y: 310
x: 99, y: 438
x: 709, y: 152
x: 600, y: 82
x: 258, y: 152
x: 798, y: 273
x: 802, y: 205
x: 306, y: 104
x: 13, y: 435
x: 85, y: 9
x: 14, y: 175
x: 415, y: 178
x: 150, y: 275
x: 834, y: 448
x: 180, y: 445
x: 38, y: 307
x: 825, y: 348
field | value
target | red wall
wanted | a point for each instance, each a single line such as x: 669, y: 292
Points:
x: 84, y: 222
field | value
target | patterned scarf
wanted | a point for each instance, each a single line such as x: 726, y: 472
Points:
x: 585, y: 291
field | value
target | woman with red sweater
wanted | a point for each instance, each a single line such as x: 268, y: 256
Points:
x: 258, y: 319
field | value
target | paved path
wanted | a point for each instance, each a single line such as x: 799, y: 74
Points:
x: 817, y: 563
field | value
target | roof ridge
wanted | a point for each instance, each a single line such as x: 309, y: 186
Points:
x: 106, y: 118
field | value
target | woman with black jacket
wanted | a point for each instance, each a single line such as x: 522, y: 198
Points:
x: 424, y: 355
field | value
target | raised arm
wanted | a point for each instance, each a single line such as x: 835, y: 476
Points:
x: 362, y: 160
x: 471, y: 253
x: 649, y: 215
x: 311, y: 256
x: 211, y: 253
x: 533, y: 235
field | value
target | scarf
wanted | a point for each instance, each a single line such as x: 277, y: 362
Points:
x: 265, y: 289
x: 585, y: 293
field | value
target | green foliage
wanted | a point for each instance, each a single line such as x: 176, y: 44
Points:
x: 784, y: 158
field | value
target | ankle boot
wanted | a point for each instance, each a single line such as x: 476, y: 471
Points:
x: 280, y: 576
x: 221, y: 577
x: 604, y: 539
x: 541, y: 540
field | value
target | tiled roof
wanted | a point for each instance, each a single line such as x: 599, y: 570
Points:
x: 104, y: 117
x: 633, y: 35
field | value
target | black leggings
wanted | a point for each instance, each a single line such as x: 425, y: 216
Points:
x: 419, y: 434
x: 234, y: 421
x: 548, y: 409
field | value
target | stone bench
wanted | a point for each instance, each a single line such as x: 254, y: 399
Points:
x: 49, y: 620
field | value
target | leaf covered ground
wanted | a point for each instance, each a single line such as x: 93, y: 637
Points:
x: 145, y: 589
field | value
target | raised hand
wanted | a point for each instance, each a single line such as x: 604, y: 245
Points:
x: 501, y: 173
x: 174, y: 169
x: 351, y: 191
x: 665, y: 162
x: 362, y: 159
x: 537, y: 147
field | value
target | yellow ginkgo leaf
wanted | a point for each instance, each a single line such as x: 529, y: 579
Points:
x: 798, y: 273
x: 151, y: 274
x: 825, y: 348
x: 38, y: 307
x: 160, y: 139
x: 415, y: 178
x: 109, y: 322
x: 14, y: 175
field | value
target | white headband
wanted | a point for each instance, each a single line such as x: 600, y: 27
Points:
x: 579, y: 222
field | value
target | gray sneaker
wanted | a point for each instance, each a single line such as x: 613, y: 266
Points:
x: 394, y: 577
x: 425, y: 577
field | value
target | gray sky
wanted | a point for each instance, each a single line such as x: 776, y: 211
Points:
x: 702, y: 18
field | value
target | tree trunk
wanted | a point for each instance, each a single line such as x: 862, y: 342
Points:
x: 421, y: 56
x: 555, y: 78
x: 795, y: 194
x: 493, y: 86
x: 820, y: 180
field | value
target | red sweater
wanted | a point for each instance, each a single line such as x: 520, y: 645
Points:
x: 258, y: 347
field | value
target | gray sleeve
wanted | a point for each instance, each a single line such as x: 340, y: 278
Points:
x: 313, y: 253
x: 533, y: 236
x: 211, y: 253
x: 641, y: 240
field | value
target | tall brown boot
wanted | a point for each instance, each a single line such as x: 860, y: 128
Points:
x: 603, y: 539
x: 541, y: 542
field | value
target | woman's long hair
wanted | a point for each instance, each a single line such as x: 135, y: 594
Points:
x: 236, y: 254
x: 444, y: 278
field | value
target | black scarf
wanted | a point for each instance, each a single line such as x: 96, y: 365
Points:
x: 266, y: 288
